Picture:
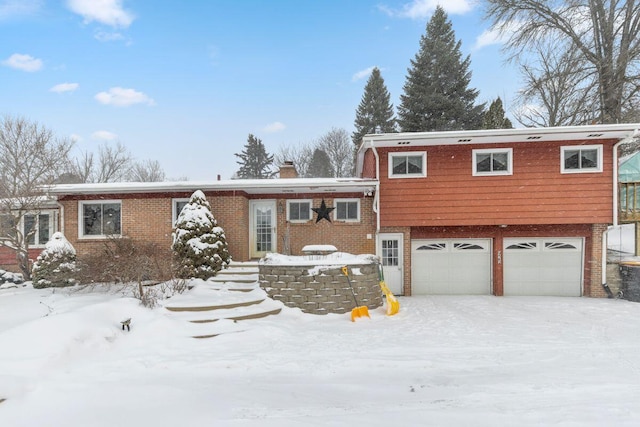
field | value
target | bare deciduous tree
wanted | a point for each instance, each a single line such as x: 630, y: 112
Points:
x: 300, y: 155
x: 559, y: 88
x: 113, y: 164
x: 606, y: 33
x: 147, y: 171
x: 30, y: 158
x: 337, y: 144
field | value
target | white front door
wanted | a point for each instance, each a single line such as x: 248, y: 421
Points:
x: 392, y: 256
x: 262, y: 235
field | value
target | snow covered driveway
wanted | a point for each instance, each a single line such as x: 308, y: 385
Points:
x: 450, y: 361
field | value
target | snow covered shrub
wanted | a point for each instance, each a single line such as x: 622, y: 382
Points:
x: 199, y: 245
x: 9, y: 277
x: 56, y: 265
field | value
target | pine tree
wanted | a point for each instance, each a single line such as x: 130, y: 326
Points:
x: 320, y: 165
x: 436, y: 93
x: 494, y: 117
x: 255, y: 162
x: 56, y: 265
x: 375, y: 112
x: 199, y: 245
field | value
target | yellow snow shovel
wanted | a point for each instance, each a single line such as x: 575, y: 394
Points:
x: 358, y: 311
x: 393, y: 306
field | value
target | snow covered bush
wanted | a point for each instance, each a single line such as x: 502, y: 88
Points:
x: 9, y: 277
x: 56, y: 265
x: 199, y: 245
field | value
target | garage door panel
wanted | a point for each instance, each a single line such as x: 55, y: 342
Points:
x: 451, y: 267
x: 543, y: 266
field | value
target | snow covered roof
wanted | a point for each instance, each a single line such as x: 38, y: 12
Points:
x: 250, y: 186
x: 493, y: 136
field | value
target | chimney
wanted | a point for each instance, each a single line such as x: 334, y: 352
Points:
x: 287, y: 170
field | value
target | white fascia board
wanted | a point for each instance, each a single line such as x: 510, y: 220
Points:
x: 250, y: 186
x: 495, y: 136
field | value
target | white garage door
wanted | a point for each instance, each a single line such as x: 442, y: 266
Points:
x: 543, y: 266
x: 451, y: 267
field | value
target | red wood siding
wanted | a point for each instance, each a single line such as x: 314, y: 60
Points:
x: 369, y: 165
x: 536, y: 193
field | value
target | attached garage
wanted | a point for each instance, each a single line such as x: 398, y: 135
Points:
x: 451, y: 267
x: 543, y: 266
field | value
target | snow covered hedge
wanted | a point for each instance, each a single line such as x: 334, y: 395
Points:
x: 56, y: 265
x: 9, y: 277
x: 199, y: 246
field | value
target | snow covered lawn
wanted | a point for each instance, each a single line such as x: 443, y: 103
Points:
x: 442, y: 361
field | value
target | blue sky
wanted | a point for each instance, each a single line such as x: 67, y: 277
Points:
x: 186, y: 82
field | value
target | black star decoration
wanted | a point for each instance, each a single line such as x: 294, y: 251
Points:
x: 323, y: 212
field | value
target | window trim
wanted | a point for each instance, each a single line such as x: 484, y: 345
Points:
x: 81, y: 203
x: 299, y: 221
x: 174, y: 210
x: 474, y: 161
x: 349, y: 200
x: 599, y: 152
x: 51, y: 213
x: 422, y: 174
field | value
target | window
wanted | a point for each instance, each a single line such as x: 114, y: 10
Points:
x: 347, y: 210
x: 177, y: 205
x: 407, y: 165
x: 100, y: 218
x: 492, y: 162
x: 37, y: 228
x: 581, y: 159
x: 298, y: 210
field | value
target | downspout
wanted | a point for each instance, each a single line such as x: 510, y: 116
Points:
x: 376, y: 198
x: 605, y: 286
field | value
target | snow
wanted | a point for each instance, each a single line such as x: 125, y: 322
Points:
x: 59, y: 244
x: 450, y: 361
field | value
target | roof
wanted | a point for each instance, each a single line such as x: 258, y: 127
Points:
x: 250, y: 186
x: 497, y: 136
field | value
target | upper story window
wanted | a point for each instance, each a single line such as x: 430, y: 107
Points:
x: 101, y: 218
x: 493, y: 161
x: 176, y: 208
x: 407, y: 164
x: 581, y: 159
x: 298, y: 210
x: 347, y: 210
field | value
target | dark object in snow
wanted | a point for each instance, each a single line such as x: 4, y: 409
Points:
x: 126, y: 323
x: 8, y: 277
x: 630, y: 272
x: 323, y: 212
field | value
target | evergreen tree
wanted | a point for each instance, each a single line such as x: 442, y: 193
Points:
x: 199, y: 245
x: 494, y: 118
x: 375, y: 112
x: 436, y: 93
x: 255, y: 162
x: 320, y: 165
x: 56, y: 265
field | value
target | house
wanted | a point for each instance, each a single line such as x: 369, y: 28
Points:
x: 502, y: 212
x: 258, y: 216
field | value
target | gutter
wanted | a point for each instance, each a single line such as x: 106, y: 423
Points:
x: 605, y: 286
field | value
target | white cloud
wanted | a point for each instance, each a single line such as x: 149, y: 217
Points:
x: 496, y: 35
x: 23, y: 62
x: 105, y: 36
x: 274, y: 127
x: 64, y: 87
x: 104, y: 135
x: 11, y: 8
x: 75, y: 137
x: 362, y: 74
x: 107, y: 12
x: 122, y: 97
x: 420, y: 9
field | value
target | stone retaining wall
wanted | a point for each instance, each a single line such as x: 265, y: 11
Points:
x: 325, y: 291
